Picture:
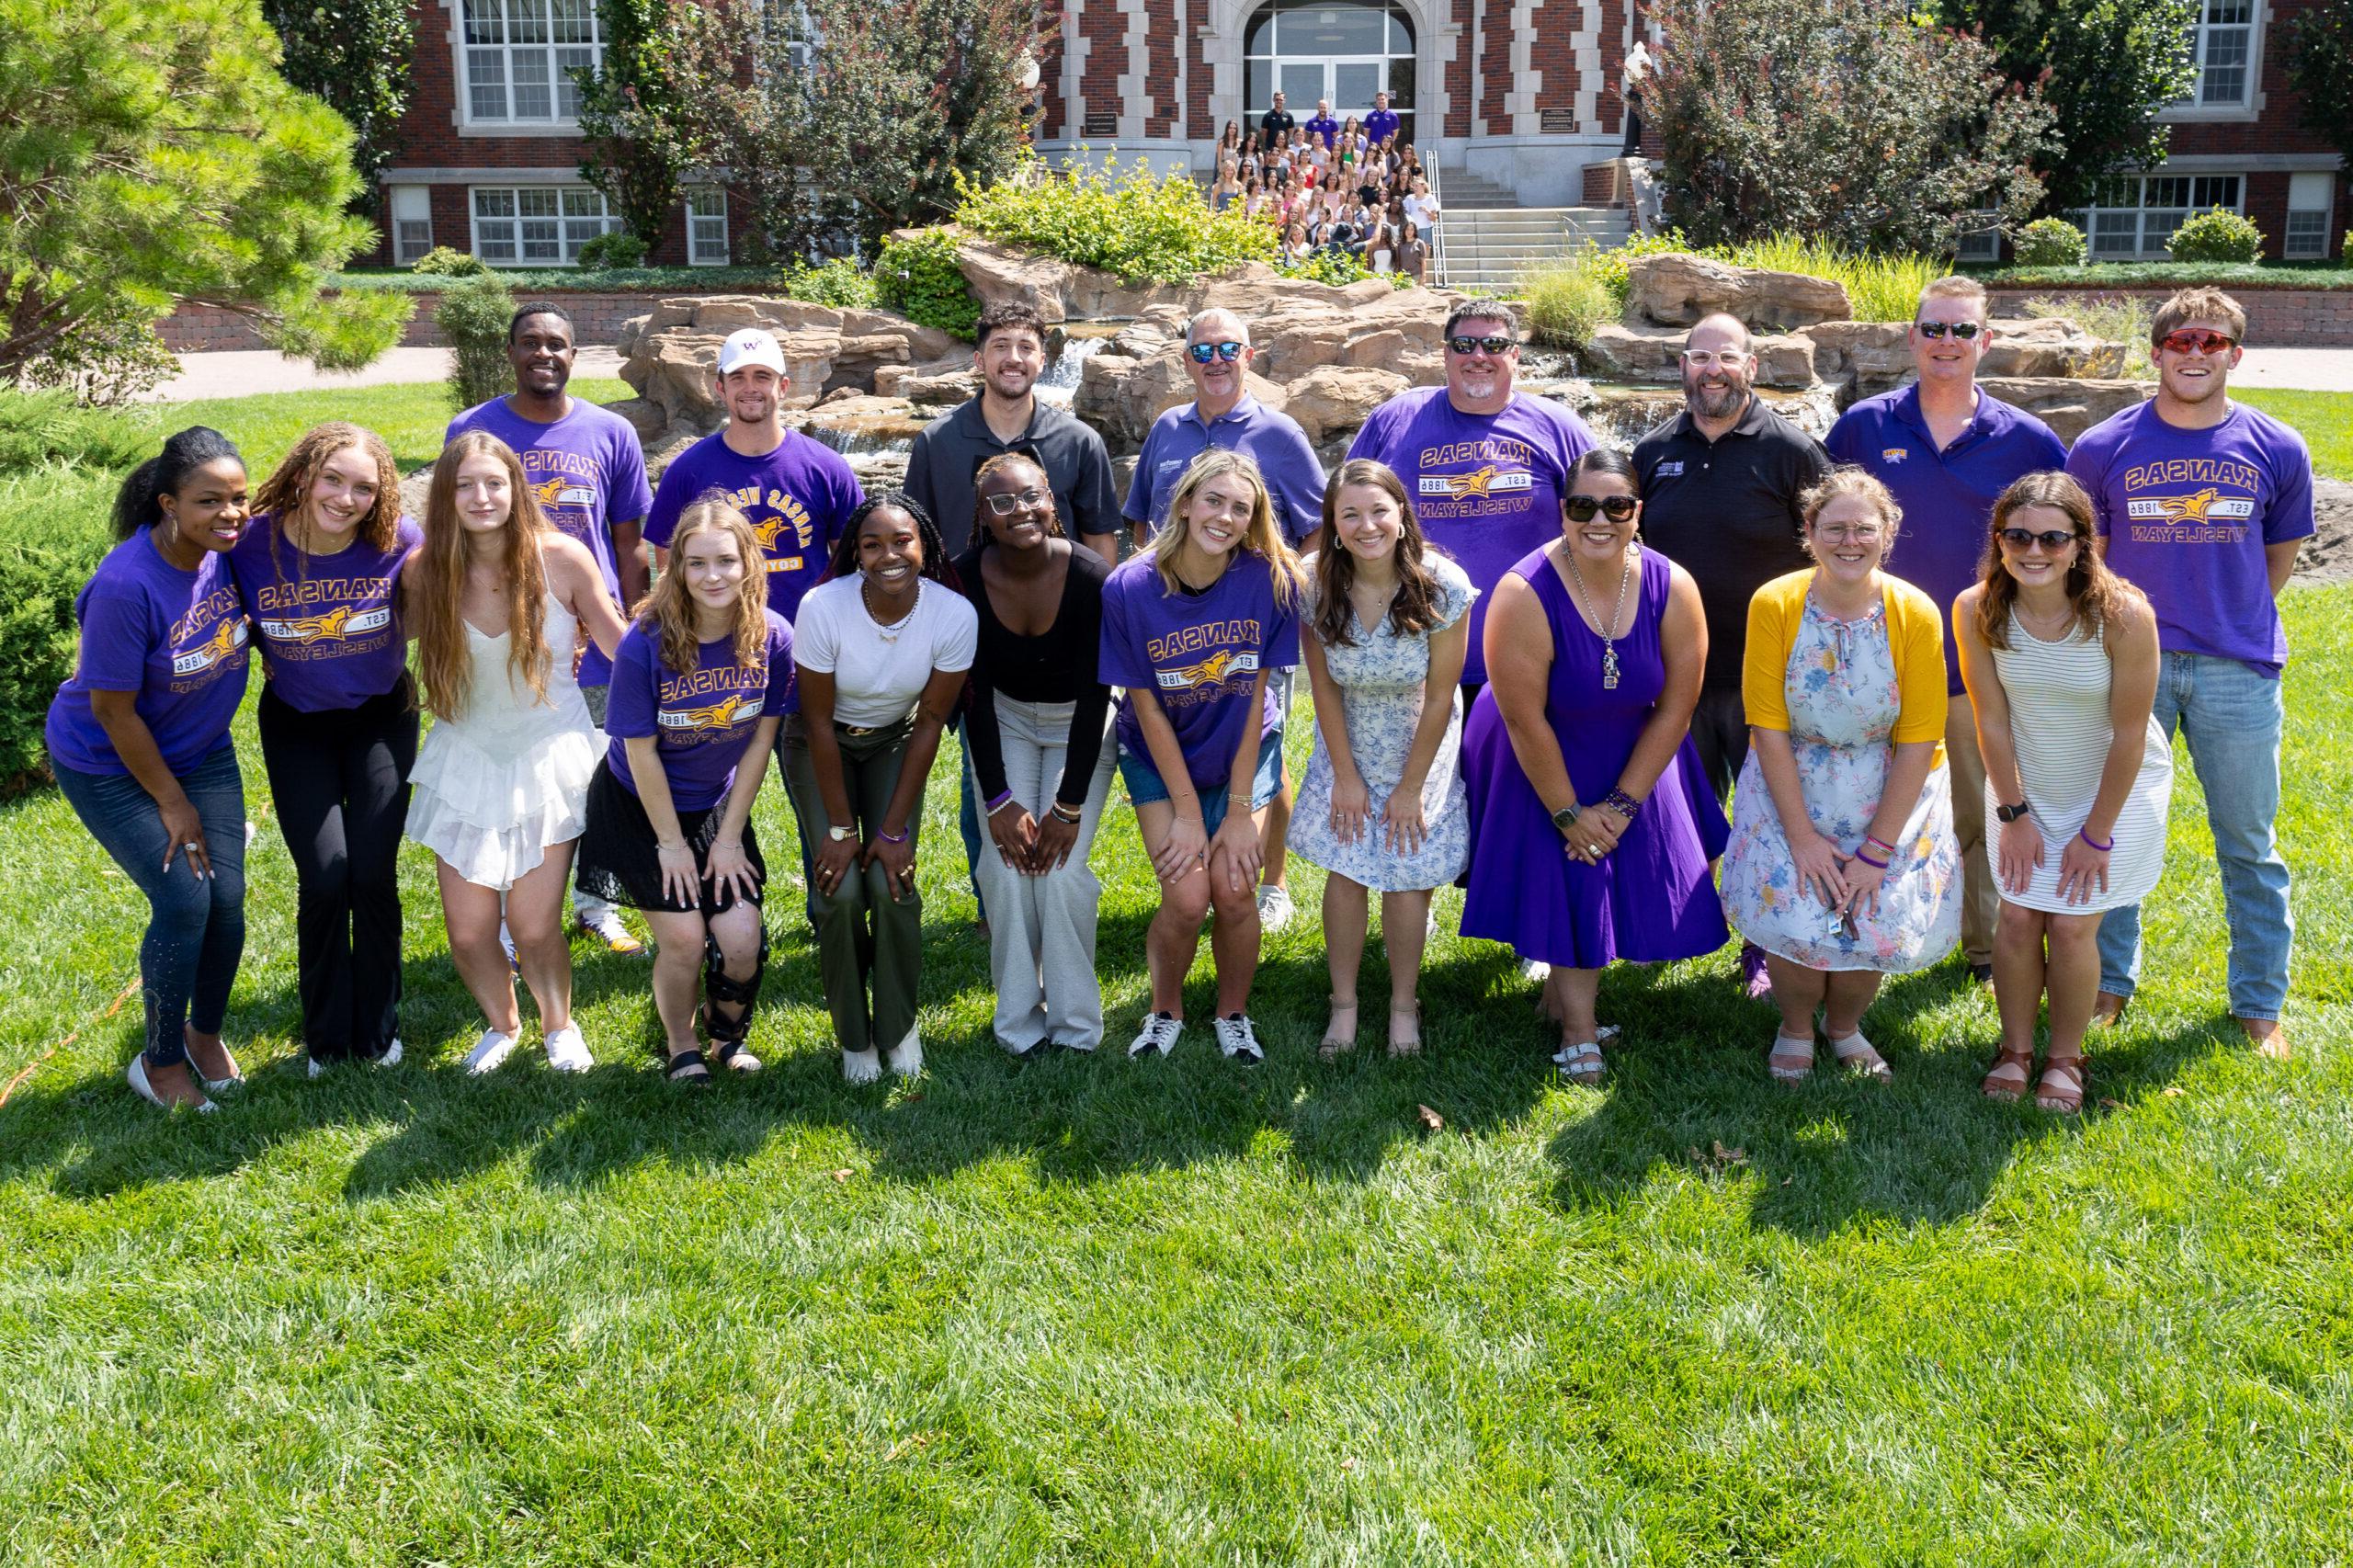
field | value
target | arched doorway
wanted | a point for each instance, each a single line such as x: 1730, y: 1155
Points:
x: 1345, y: 52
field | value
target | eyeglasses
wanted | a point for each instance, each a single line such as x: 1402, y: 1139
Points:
x: 2197, y: 340
x: 1866, y: 534
x: 1203, y: 352
x: 1707, y: 359
x: 1466, y: 345
x: 2052, y: 539
x: 1963, y: 330
x: 1005, y: 503
x: 1617, y: 508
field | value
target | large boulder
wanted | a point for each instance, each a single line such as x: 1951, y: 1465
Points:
x: 2049, y: 346
x: 2069, y: 405
x: 1677, y: 290
x: 1335, y: 401
x: 673, y: 350
x: 1652, y: 353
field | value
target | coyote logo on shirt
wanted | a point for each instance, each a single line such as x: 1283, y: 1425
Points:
x: 2216, y: 513
x: 725, y: 714
x: 338, y: 625
x: 1210, y: 671
x: 227, y: 640
x: 558, y: 491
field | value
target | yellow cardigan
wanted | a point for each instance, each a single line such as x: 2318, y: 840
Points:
x: 1915, y: 636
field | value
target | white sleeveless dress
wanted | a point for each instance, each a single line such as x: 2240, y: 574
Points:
x: 2059, y: 725
x: 494, y: 788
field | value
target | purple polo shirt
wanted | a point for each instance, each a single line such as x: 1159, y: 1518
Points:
x: 1323, y: 128
x: 1381, y: 125
x: 2187, y: 515
x: 1948, y: 497
x: 1267, y: 436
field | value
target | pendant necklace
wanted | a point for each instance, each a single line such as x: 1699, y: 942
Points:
x: 890, y: 633
x: 1608, y: 640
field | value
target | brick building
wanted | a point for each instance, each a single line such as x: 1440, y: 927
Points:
x: 1524, y: 93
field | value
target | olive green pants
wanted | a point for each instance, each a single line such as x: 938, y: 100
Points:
x: 869, y: 942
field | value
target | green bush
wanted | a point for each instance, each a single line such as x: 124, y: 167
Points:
x: 37, y: 429
x: 2112, y: 318
x: 443, y: 262
x: 1144, y: 226
x: 1336, y: 268
x: 919, y: 278
x: 1566, y: 301
x: 473, y: 317
x: 2220, y: 234
x: 616, y: 249
x: 838, y: 283
x: 2049, y: 242
x: 59, y: 466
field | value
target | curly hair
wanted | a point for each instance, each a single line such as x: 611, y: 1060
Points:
x: 667, y: 612
x: 982, y: 534
x: 2093, y: 591
x: 437, y: 578
x: 1415, y: 607
x: 286, y: 492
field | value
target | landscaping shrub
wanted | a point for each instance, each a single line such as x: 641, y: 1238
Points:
x: 838, y: 283
x: 443, y: 262
x: 473, y: 317
x: 1882, y: 286
x: 2113, y: 318
x: 2049, y: 242
x: 2220, y: 234
x: 919, y: 278
x: 1567, y: 302
x: 1337, y: 268
x: 1144, y: 226
x: 617, y: 248
x: 40, y: 428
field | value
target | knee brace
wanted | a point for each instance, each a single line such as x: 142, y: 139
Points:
x: 717, y: 988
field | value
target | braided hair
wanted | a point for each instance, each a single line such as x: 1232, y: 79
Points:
x: 135, y: 505
x: 842, y: 560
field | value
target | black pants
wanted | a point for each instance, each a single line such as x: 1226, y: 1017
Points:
x: 1719, y: 734
x: 340, y: 782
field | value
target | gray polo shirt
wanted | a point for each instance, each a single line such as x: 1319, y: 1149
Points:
x: 949, y: 449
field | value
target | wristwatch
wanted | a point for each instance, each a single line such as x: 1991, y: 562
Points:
x: 2010, y: 813
x: 840, y: 834
x: 1563, y: 817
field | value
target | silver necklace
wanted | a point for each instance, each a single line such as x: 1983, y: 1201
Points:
x: 1608, y: 627
x: 890, y: 633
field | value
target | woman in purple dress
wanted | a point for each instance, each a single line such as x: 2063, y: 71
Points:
x: 1594, y: 649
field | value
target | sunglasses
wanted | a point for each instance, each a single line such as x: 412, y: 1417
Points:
x: 2052, y: 539
x: 1617, y: 508
x: 1005, y: 503
x: 1963, y: 330
x: 1203, y: 352
x: 1466, y: 345
x: 2197, y: 339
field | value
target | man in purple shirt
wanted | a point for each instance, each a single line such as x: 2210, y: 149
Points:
x: 1320, y: 125
x: 2203, y: 504
x: 1382, y: 122
x: 1948, y: 451
x: 586, y: 466
x: 1224, y: 413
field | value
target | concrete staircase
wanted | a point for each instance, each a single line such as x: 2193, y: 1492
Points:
x: 1489, y: 239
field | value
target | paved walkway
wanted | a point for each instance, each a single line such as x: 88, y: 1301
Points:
x: 2308, y: 370
x: 236, y: 373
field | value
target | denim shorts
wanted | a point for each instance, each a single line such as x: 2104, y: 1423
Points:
x: 1145, y: 787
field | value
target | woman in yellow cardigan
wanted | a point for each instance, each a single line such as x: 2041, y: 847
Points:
x: 1843, y: 865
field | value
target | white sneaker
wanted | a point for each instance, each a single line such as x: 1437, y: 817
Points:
x: 861, y: 1066
x: 567, y: 1052
x: 489, y: 1052
x: 1159, y: 1033
x: 1274, y: 908
x: 1237, y: 1039
x: 906, y: 1057
x: 601, y: 920
x: 391, y: 1057
x: 318, y: 1069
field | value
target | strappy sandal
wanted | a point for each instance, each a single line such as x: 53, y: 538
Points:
x: 1337, y: 1043
x: 1859, y: 1056
x: 1409, y: 1044
x: 2006, y: 1081
x: 1792, y: 1059
x: 687, y: 1067
x: 2066, y: 1096
x: 1581, y: 1062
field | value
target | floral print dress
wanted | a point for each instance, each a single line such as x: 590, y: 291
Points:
x: 1844, y: 704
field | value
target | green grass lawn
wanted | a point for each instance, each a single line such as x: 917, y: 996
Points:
x: 2326, y: 418
x: 1085, y: 1309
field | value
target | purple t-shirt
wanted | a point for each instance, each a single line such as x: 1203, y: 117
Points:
x: 798, y: 497
x: 702, y: 719
x: 1948, y: 497
x: 2187, y: 515
x: 589, y: 473
x: 1486, y: 487
x: 1197, y: 653
x: 329, y: 626
x: 176, y: 638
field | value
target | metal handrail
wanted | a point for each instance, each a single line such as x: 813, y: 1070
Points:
x: 1437, y: 235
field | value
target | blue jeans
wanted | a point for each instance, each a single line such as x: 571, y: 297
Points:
x: 2230, y: 716
x: 196, y: 927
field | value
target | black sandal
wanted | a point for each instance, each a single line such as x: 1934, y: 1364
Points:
x: 687, y: 1067
x: 731, y: 1054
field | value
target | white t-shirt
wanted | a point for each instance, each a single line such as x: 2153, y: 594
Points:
x: 1418, y: 210
x: 876, y: 678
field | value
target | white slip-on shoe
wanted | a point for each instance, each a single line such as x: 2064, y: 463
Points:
x: 906, y: 1057
x: 567, y: 1052
x: 489, y: 1052
x: 391, y: 1057
x: 861, y: 1066
x: 137, y: 1075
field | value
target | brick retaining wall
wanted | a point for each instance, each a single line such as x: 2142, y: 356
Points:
x: 596, y: 320
x: 2276, y: 318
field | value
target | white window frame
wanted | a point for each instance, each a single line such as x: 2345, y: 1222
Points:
x: 580, y: 214
x: 2146, y: 247
x: 2318, y: 250
x: 1979, y: 238
x: 539, y: 53
x: 2205, y: 35
x: 701, y: 248
x: 408, y: 216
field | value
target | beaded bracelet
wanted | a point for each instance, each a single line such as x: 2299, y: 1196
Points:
x: 1625, y: 805
x: 1000, y: 802
x: 2085, y: 834
x: 1875, y: 864
x: 1071, y: 814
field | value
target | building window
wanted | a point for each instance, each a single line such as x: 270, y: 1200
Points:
x: 1342, y: 52
x: 706, y: 228
x: 538, y: 225
x: 2136, y: 214
x: 2309, y: 198
x: 1979, y: 238
x: 520, y: 56
x: 412, y: 215
x: 2223, y: 41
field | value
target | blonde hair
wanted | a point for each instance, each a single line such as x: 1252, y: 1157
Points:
x: 2200, y: 303
x: 1259, y: 535
x: 1848, y: 480
x: 668, y: 610
x: 2094, y: 593
x: 444, y: 663
x: 1957, y: 287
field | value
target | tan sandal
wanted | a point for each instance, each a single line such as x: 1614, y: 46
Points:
x: 1859, y: 1056
x: 2006, y: 1081
x: 1407, y: 1041
x: 2065, y: 1098
x: 1792, y: 1059
x: 1338, y: 1042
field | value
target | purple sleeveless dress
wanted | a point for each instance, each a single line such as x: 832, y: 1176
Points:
x: 1653, y: 898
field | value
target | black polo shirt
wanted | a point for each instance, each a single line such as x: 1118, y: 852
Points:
x: 1726, y: 511
x: 1276, y: 120
x: 951, y: 450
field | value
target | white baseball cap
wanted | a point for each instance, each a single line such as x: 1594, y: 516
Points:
x: 750, y: 346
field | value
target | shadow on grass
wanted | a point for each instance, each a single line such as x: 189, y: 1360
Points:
x: 1836, y: 1151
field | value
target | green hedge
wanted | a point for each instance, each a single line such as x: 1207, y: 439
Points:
x: 2175, y: 274
x: 573, y: 280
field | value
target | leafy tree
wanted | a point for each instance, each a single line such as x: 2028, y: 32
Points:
x: 355, y: 54
x: 633, y: 113
x: 2106, y: 67
x: 1848, y: 121
x: 150, y: 153
x: 2320, y: 64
